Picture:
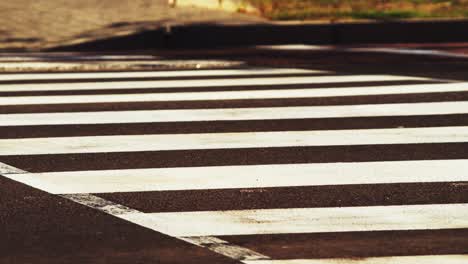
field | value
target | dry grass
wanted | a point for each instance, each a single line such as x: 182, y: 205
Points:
x: 361, y: 9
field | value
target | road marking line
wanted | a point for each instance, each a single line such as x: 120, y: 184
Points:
x: 102, y: 144
x: 237, y: 95
x: 225, y: 248
x: 7, y: 169
x: 205, y: 83
x: 154, y: 74
x: 308, y: 220
x: 428, y: 259
x: 100, y: 204
x: 234, y: 114
x: 254, y: 176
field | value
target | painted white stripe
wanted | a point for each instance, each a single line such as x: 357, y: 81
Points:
x: 100, y: 144
x: 203, y: 83
x: 236, y: 95
x: 431, y: 259
x: 307, y: 220
x: 155, y: 74
x: 256, y: 176
x: 234, y: 114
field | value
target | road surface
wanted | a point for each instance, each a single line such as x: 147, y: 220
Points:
x: 243, y: 165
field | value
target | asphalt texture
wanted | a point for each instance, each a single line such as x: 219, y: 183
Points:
x: 38, y: 227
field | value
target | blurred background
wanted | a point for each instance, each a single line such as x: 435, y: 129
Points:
x: 31, y: 25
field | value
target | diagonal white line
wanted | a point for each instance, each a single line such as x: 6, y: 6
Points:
x: 7, y: 169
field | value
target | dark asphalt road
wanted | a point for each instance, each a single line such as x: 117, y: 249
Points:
x: 37, y: 226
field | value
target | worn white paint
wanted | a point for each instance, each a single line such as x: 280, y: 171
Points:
x: 152, y: 74
x: 428, y: 259
x: 101, y: 144
x: 234, y: 114
x: 100, y: 204
x: 99, y: 64
x: 307, y: 220
x: 237, y: 95
x: 7, y: 169
x: 202, y: 83
x: 254, y: 176
x: 225, y: 248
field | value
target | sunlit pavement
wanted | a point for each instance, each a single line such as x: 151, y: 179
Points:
x: 293, y: 154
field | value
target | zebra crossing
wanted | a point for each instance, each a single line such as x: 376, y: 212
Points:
x: 261, y: 165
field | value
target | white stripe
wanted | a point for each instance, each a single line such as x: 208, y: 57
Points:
x: 236, y: 95
x: 203, y: 83
x: 431, y: 259
x: 100, y: 144
x: 256, y: 176
x: 234, y: 114
x: 155, y: 74
x: 307, y: 220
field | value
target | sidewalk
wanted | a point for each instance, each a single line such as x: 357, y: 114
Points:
x: 33, y: 25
